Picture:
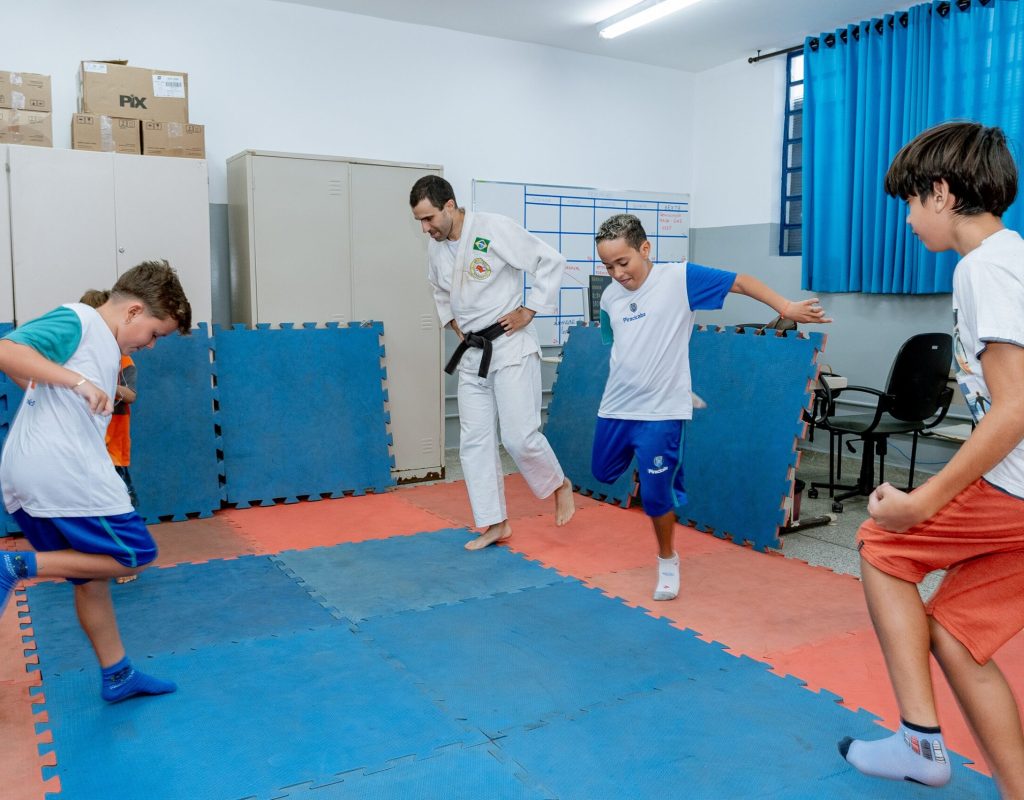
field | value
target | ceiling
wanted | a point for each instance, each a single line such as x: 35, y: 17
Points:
x: 700, y: 37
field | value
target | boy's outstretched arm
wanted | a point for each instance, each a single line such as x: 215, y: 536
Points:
x: 23, y: 364
x: 803, y: 311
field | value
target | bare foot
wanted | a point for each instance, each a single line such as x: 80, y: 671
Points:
x: 495, y: 533
x: 126, y: 578
x: 565, y: 506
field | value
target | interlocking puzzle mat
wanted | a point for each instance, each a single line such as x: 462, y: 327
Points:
x: 174, y: 466
x: 374, y: 578
x: 756, y: 388
x: 451, y: 500
x: 562, y: 686
x: 173, y: 610
x: 741, y: 450
x: 302, y: 412
x: 249, y: 717
x: 272, y: 529
x: 572, y: 414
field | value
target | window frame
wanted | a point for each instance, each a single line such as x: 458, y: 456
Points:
x: 787, y: 171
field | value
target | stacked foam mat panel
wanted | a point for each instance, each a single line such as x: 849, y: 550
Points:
x: 740, y: 451
x: 253, y: 417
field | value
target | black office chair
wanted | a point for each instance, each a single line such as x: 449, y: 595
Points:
x: 916, y: 398
x: 759, y: 328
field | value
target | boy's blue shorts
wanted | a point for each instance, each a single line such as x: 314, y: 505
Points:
x: 658, y: 446
x: 124, y: 537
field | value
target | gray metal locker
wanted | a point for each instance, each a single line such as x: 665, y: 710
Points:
x: 330, y: 239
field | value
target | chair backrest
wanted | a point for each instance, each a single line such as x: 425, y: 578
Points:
x: 918, y: 376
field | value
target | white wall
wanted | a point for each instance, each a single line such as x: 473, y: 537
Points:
x: 738, y: 144
x: 276, y: 76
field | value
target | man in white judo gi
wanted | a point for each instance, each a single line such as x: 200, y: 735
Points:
x: 475, y: 266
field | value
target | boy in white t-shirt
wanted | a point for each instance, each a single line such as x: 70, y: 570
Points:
x: 58, y: 481
x: 647, y: 315
x: 957, y: 179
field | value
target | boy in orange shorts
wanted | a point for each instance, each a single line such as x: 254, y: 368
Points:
x: 957, y: 178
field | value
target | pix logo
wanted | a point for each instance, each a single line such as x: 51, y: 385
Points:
x: 132, y: 101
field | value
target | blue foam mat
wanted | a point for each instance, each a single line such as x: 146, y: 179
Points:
x: 173, y: 610
x: 572, y: 414
x: 763, y: 738
x: 571, y: 646
x: 302, y: 412
x: 174, y: 466
x: 756, y: 388
x: 745, y: 440
x: 581, y: 696
x: 247, y: 719
x: 470, y: 773
x: 367, y: 579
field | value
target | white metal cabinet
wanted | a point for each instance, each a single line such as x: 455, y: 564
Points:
x: 162, y: 211
x: 62, y: 226
x: 327, y: 239
x: 79, y: 219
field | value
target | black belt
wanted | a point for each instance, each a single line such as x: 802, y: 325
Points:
x: 481, y: 339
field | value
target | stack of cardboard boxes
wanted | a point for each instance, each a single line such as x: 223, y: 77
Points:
x: 126, y: 109
x: 25, y: 109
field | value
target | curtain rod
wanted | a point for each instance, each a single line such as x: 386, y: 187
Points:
x: 942, y: 9
x: 759, y: 57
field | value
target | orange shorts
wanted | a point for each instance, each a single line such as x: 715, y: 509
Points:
x: 978, y: 538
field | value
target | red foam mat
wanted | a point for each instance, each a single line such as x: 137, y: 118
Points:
x: 198, y: 540
x: 754, y: 603
x: 450, y: 500
x: 271, y: 529
x: 602, y: 538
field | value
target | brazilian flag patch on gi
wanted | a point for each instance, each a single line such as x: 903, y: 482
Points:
x: 481, y: 244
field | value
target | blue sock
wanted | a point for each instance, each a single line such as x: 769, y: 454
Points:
x: 122, y: 680
x: 13, y: 568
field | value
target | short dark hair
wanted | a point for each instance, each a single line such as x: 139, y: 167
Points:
x: 434, y: 188
x: 156, y: 285
x: 622, y: 226
x: 973, y: 159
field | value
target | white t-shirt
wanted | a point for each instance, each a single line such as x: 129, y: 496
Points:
x: 55, y: 461
x: 988, y: 306
x: 649, y: 375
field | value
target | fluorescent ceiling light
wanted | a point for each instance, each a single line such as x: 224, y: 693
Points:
x: 633, y: 18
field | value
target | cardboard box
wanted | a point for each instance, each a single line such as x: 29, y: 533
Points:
x: 103, y: 134
x: 173, y: 139
x: 25, y: 90
x: 18, y: 126
x: 127, y: 92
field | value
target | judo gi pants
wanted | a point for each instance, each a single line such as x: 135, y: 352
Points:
x: 510, y: 396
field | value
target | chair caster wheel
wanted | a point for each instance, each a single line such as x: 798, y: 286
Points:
x: 812, y: 493
x: 837, y: 507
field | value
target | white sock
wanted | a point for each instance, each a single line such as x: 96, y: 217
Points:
x: 668, y: 578
x: 912, y: 753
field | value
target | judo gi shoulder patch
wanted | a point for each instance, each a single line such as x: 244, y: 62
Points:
x: 481, y: 245
x: 479, y: 269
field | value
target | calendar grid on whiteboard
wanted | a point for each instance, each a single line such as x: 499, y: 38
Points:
x: 567, y: 218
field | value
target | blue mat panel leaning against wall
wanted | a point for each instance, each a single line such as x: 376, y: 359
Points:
x: 740, y: 451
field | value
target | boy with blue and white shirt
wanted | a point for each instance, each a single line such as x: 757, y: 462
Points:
x: 647, y: 315
x: 58, y: 481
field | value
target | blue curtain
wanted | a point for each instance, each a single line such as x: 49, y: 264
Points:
x: 869, y: 89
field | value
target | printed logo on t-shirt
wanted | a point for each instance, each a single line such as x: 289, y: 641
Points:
x: 479, y: 269
x: 481, y: 244
x: 633, y: 311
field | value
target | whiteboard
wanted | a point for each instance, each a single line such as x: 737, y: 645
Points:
x: 567, y: 217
